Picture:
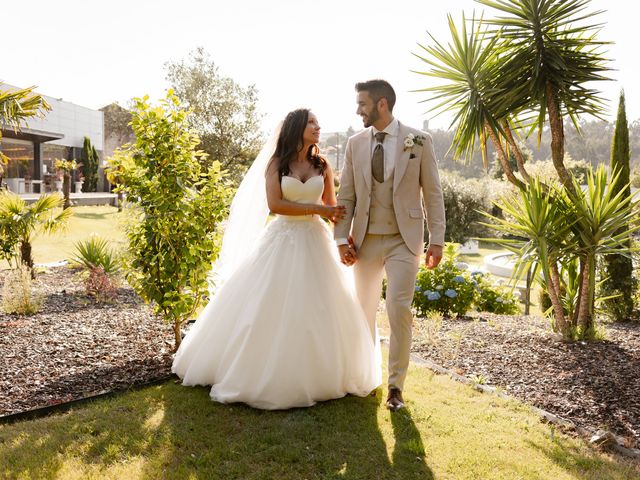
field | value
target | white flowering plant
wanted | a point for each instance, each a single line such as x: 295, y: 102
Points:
x: 410, y: 140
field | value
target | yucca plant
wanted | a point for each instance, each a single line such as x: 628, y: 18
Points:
x: 540, y: 231
x: 19, y: 222
x: 469, y: 66
x: 95, y: 252
x: 550, y: 56
x: 603, y: 217
x: 557, y: 228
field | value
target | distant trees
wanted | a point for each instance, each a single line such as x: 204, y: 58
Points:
x: 223, y: 114
x: 592, y: 144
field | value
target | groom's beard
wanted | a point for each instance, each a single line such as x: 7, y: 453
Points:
x: 371, y: 118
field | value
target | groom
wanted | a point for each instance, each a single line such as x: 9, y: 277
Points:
x: 389, y: 180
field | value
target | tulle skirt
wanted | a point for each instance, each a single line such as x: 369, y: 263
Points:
x: 285, y: 330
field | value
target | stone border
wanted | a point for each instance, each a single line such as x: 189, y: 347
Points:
x: 57, y: 408
x: 605, y: 439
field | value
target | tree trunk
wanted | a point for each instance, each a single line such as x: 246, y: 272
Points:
x: 66, y: 190
x: 516, y: 152
x: 120, y: 200
x: 587, y: 287
x: 502, y: 157
x: 25, y: 256
x: 176, y: 331
x: 555, y: 295
x: 557, y: 139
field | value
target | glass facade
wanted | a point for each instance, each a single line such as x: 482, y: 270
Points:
x: 20, y: 154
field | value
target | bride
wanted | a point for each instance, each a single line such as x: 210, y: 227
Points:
x: 284, y: 328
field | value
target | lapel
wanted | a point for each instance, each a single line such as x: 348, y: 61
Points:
x: 402, y: 157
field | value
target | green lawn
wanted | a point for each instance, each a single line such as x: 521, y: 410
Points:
x: 484, y: 249
x: 449, y: 431
x: 103, y: 220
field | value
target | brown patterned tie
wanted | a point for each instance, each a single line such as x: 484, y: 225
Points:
x: 377, y: 161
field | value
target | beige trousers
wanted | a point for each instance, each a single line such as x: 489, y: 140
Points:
x: 388, y: 253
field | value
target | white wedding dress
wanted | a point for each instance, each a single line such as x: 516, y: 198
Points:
x: 285, y: 329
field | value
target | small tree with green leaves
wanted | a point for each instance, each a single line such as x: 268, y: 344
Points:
x: 90, y: 162
x: 180, y: 205
x: 19, y: 223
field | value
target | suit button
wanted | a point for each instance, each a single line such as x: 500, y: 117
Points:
x: 366, y: 214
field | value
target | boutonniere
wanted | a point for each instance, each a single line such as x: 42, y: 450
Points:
x: 411, y: 140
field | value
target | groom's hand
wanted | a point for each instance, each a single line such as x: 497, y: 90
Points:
x: 348, y: 254
x: 434, y: 255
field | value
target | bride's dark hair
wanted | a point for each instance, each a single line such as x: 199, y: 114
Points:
x: 290, y: 143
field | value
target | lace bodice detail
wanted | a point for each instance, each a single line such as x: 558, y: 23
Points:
x: 308, y: 192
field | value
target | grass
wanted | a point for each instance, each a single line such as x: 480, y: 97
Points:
x: 448, y: 431
x: 104, y: 221
x: 484, y: 249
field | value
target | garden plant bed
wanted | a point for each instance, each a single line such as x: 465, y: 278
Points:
x: 76, y: 347
x: 596, y: 385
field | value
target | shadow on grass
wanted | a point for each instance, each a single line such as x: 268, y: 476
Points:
x: 170, y: 431
x: 180, y: 433
x: 335, y: 439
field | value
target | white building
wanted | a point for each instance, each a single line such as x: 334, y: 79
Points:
x: 60, y: 134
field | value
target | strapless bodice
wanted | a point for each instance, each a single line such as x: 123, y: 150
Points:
x: 297, y: 191
x: 302, y: 192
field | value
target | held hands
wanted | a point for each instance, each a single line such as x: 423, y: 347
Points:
x: 332, y: 213
x: 348, y: 254
x: 434, y: 255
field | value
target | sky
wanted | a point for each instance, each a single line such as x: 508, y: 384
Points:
x: 298, y: 53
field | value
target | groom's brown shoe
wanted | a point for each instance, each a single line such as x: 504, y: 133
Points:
x: 394, y: 399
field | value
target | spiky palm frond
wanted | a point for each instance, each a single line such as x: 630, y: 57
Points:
x: 468, y: 65
x: 551, y: 43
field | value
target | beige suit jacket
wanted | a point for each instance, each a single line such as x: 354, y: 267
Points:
x: 416, y: 190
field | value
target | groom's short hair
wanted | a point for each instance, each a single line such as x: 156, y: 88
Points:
x: 378, y: 89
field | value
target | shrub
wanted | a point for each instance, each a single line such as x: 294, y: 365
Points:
x: 545, y: 170
x: 447, y: 289
x: 95, y: 252
x: 635, y: 178
x: 180, y: 205
x: 463, y: 199
x: 19, y: 223
x: 494, y: 298
x: 100, y: 285
x: 17, y: 295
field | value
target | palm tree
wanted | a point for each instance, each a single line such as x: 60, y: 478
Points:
x: 20, y: 222
x: 550, y: 56
x: 470, y: 67
x: 529, y: 66
x: 16, y: 106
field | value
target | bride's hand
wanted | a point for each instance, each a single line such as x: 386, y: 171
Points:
x: 333, y: 213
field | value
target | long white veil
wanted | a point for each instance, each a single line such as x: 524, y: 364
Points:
x: 247, y: 216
